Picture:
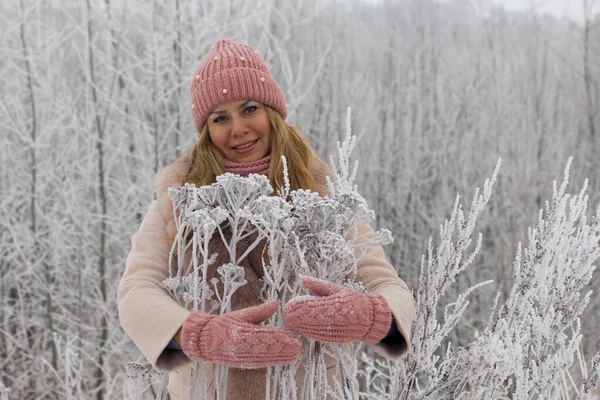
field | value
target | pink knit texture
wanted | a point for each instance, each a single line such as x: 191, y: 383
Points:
x: 232, y: 71
x: 339, y: 314
x: 236, y: 340
x: 260, y: 167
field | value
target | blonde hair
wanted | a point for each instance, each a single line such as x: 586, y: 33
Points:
x: 207, y: 160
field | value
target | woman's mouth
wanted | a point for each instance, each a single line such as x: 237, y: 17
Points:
x: 246, y: 147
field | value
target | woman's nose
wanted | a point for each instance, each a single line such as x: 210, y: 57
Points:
x: 238, y: 127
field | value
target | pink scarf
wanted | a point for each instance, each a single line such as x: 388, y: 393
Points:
x: 260, y: 167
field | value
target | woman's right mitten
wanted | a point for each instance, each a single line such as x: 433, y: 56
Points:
x: 236, y: 340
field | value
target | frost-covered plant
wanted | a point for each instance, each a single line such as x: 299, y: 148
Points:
x: 4, y: 392
x: 72, y: 362
x: 412, y: 375
x: 591, y: 382
x: 529, y: 345
x: 138, y: 379
x: 68, y: 372
x: 535, y: 335
x: 438, y: 271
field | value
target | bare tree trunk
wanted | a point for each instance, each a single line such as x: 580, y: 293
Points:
x: 587, y: 76
x: 103, y: 206
x: 539, y: 94
x: 4, y: 321
x: 588, y: 82
x: 155, y: 92
x: 33, y: 192
x: 33, y: 130
x: 179, y: 67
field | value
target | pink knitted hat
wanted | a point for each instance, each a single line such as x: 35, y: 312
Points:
x: 232, y: 71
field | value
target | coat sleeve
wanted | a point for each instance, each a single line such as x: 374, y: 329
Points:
x: 147, y: 312
x: 378, y: 276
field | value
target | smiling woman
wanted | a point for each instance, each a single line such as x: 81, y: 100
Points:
x: 239, y: 112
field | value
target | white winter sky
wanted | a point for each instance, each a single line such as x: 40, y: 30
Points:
x: 561, y: 8
x: 572, y: 9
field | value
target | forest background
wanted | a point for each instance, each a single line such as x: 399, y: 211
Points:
x: 94, y: 99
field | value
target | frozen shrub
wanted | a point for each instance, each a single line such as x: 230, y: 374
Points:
x: 531, y: 340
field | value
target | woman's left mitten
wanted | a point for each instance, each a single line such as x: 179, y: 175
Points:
x: 338, y: 314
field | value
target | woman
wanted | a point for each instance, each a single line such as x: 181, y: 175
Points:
x: 239, y: 111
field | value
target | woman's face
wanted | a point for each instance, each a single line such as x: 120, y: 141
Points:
x: 241, y: 130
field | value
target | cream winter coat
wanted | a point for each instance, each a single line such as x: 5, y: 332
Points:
x: 151, y: 317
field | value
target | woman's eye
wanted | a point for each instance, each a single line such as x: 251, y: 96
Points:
x: 219, y: 119
x: 251, y: 109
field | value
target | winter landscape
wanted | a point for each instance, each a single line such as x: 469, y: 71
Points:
x: 475, y: 128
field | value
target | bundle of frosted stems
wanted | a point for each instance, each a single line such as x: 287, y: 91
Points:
x: 305, y: 236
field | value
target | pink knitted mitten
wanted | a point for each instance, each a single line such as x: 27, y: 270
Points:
x: 339, y: 315
x: 236, y: 340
